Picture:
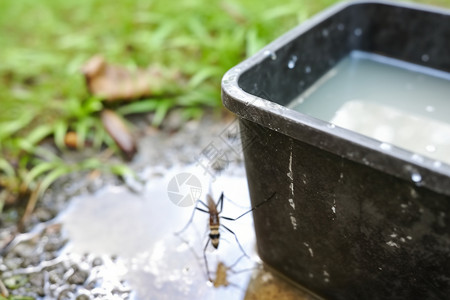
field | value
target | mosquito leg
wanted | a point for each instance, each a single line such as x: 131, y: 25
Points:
x: 192, y: 216
x: 231, y: 268
x: 236, y: 262
x: 255, y: 267
x: 219, y: 204
x: 253, y: 208
x: 206, y: 261
x: 235, y: 237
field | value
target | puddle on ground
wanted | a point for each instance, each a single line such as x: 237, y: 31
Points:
x: 140, y: 229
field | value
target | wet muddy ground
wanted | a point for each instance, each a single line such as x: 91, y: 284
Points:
x: 96, y: 237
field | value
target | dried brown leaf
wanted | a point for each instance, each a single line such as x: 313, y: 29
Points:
x: 119, y: 132
x: 71, y: 139
x: 221, y: 275
x: 113, y: 83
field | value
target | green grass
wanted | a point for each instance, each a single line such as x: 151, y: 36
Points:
x: 43, y: 45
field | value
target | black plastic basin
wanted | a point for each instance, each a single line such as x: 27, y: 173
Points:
x: 349, y: 219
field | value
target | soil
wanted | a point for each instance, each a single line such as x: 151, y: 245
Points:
x: 35, y: 265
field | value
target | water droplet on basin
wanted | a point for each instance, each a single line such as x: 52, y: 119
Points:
x: 425, y: 57
x: 385, y: 146
x: 270, y: 53
x: 416, y: 177
x: 417, y: 158
x: 431, y: 148
x: 325, y: 32
x: 292, y: 62
x: 307, y: 69
x: 437, y: 164
x: 331, y: 125
x: 358, y: 31
x: 341, y: 27
x: 300, y: 100
x: 429, y: 108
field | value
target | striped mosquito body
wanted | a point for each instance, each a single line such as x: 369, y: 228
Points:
x: 214, y: 222
x: 214, y: 210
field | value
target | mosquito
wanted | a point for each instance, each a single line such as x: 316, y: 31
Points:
x: 214, y: 210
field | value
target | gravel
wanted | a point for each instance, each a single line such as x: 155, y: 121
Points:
x: 35, y: 264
